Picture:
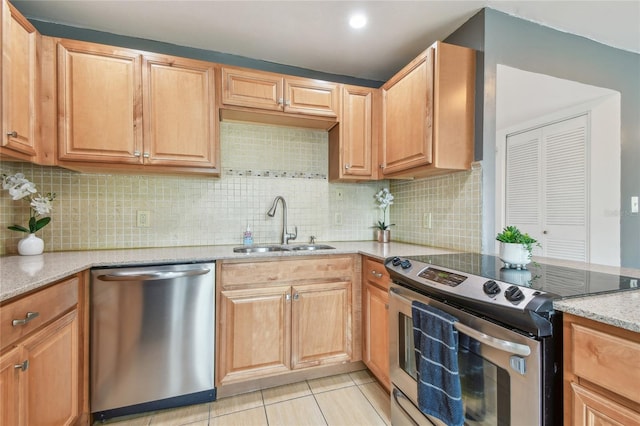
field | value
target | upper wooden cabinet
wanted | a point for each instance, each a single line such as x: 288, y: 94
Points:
x: 19, y: 88
x: 353, y: 143
x: 120, y: 108
x: 428, y: 114
x: 100, y: 103
x: 245, y: 92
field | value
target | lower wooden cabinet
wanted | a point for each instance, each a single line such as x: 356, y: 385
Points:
x: 601, y: 373
x: 275, y: 317
x: 42, y: 380
x: 375, y: 319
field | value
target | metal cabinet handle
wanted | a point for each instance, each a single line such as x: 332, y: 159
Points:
x: 136, y: 153
x: 149, y: 276
x: 287, y: 297
x: 296, y: 296
x: 30, y: 316
x: 287, y: 103
x: 12, y: 134
x: 280, y: 101
x: 146, y: 155
x: 376, y: 273
x: 347, y: 166
x: 23, y: 366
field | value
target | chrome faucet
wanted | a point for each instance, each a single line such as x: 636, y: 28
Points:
x: 272, y: 211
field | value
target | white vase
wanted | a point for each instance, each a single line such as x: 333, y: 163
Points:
x: 30, y: 245
x: 514, y: 255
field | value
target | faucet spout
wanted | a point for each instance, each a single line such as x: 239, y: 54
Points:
x: 272, y: 212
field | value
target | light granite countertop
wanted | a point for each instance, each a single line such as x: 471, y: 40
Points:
x: 23, y: 274
x: 617, y: 309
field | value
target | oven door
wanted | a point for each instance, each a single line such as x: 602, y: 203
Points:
x: 499, y: 369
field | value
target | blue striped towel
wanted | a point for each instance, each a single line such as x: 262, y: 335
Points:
x: 436, y: 348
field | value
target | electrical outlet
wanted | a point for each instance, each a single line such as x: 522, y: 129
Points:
x: 144, y: 219
x: 426, y: 221
x: 633, y: 283
x: 337, y: 219
x: 339, y: 195
x: 634, y: 204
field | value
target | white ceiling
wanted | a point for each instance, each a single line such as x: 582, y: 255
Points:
x: 315, y: 34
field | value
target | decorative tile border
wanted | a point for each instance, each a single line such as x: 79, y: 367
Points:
x: 274, y: 174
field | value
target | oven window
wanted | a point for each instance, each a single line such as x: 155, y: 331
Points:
x: 485, y: 386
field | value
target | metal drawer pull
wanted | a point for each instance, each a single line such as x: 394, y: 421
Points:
x: 399, y: 397
x: 124, y: 276
x: 22, y: 366
x: 376, y: 274
x: 30, y: 316
x: 13, y: 134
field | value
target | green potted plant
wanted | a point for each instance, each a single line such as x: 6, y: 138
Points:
x: 515, y: 247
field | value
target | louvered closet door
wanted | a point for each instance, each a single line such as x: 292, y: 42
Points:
x: 547, y: 187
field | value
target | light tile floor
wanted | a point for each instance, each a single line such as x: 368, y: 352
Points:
x: 344, y: 400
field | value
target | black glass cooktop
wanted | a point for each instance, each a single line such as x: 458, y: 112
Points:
x: 560, y: 280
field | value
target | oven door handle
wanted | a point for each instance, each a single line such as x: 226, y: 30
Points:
x: 494, y: 342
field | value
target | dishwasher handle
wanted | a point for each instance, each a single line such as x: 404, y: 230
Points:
x: 152, y: 275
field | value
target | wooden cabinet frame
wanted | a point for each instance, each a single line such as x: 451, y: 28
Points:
x: 601, y: 373
x: 269, y: 311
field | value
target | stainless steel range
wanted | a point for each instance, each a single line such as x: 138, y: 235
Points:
x: 511, y: 355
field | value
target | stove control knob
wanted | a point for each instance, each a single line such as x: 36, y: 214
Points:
x: 395, y: 261
x: 514, y: 294
x: 491, y: 288
x: 405, y: 264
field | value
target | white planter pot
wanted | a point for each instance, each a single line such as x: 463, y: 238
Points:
x: 514, y: 255
x: 30, y: 245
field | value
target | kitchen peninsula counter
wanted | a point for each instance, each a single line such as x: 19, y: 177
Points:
x: 618, y: 309
x: 23, y: 274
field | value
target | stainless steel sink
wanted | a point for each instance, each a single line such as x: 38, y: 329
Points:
x: 311, y: 247
x: 272, y: 248
x: 258, y: 249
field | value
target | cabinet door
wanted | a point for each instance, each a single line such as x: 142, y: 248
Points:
x: 314, y: 97
x: 179, y: 112
x: 590, y: 408
x: 52, y: 383
x: 10, y: 389
x: 252, y: 89
x: 375, y: 327
x: 351, y: 145
x: 100, y: 103
x: 321, y: 324
x: 19, y: 80
x: 408, y: 116
x: 254, y: 333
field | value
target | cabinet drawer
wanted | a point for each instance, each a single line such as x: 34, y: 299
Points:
x: 607, y: 360
x: 376, y: 273
x: 286, y: 271
x: 48, y: 304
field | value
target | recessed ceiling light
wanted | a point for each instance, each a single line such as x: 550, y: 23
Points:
x: 358, y: 21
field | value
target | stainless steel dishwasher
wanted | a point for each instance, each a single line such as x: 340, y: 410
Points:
x: 152, y: 338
